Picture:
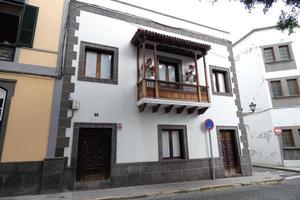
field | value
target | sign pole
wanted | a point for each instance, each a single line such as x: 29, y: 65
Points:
x: 209, y: 125
x: 211, y: 157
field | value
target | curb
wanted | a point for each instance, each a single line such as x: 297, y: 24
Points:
x: 275, y: 167
x: 200, y: 189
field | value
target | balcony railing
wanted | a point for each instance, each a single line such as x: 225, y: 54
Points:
x: 7, y: 52
x: 172, y: 91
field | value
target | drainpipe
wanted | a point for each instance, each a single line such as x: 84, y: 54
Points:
x: 58, y: 84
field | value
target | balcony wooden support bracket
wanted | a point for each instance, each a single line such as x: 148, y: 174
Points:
x: 155, y: 108
x: 191, y: 110
x: 180, y: 109
x: 142, y: 107
x: 168, y: 108
x: 202, y: 111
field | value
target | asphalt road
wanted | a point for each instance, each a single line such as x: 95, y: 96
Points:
x: 289, y: 189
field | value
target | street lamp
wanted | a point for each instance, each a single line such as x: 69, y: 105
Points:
x: 252, y: 106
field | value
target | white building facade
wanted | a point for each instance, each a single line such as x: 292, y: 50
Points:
x: 268, y: 74
x: 136, y: 93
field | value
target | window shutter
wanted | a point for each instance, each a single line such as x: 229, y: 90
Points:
x: 27, y: 26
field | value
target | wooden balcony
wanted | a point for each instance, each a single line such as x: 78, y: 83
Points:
x: 155, y: 93
x: 172, y: 91
x: 172, y: 94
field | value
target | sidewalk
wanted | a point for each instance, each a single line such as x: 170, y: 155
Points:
x: 291, y: 169
x: 134, y: 192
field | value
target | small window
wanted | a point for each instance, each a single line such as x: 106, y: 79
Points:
x: 276, y: 88
x: 269, y: 55
x: 292, y: 87
x: 220, y: 81
x: 284, y: 52
x: 98, y: 65
x: 173, y: 144
x: 287, y: 138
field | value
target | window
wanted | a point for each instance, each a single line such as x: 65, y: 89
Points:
x: 269, y: 54
x: 19, y: 22
x: 169, y: 69
x: 220, y: 81
x: 292, y: 87
x: 98, y: 65
x: 287, y: 138
x: 276, y: 88
x: 19, y: 28
x: 173, y: 142
x: 284, y: 52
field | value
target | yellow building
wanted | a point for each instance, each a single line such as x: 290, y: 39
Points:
x: 30, y: 70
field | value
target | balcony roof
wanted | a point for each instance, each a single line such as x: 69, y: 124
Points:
x: 169, y: 43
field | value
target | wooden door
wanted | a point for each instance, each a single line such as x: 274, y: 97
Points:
x: 229, y: 152
x: 93, y: 161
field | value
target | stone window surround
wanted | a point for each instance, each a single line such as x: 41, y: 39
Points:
x: 98, y: 47
x: 227, y: 72
x: 296, y: 136
x: 183, y: 128
x: 270, y: 66
x: 284, y: 87
x: 9, y: 86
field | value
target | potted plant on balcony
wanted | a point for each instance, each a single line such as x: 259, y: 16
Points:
x: 190, y: 75
x: 150, y: 69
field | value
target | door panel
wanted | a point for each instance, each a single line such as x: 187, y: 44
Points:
x: 93, y: 162
x: 229, y: 152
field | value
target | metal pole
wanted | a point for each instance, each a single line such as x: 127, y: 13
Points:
x: 211, y: 158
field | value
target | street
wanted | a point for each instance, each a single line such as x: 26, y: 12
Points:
x: 289, y: 189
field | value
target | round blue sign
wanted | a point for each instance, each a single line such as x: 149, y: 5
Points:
x: 209, y: 124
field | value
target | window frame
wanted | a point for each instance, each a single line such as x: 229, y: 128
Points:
x: 292, y: 137
x: 279, y: 64
x: 297, y: 87
x: 184, y: 144
x: 273, y: 54
x: 227, y: 80
x: 171, y: 61
x: 282, y: 94
x: 288, y: 51
x: 98, y: 48
x: 98, y: 63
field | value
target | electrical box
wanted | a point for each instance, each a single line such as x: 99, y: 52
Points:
x: 75, y: 105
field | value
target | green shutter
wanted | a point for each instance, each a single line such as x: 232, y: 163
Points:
x: 27, y: 26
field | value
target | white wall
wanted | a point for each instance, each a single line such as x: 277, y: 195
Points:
x: 263, y: 143
x: 253, y: 86
x: 137, y: 141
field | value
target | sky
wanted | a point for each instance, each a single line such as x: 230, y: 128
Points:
x: 228, y: 15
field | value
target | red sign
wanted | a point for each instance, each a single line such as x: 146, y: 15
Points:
x: 278, y: 131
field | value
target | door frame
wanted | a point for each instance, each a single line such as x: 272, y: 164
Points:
x: 77, y: 127
x: 9, y: 86
x: 237, y: 145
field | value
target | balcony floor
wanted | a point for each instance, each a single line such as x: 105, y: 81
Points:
x: 180, y: 106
